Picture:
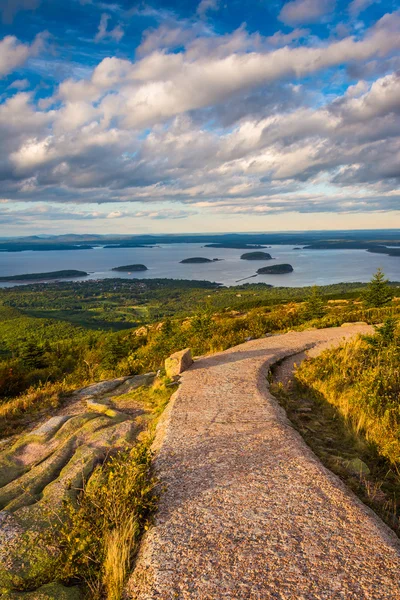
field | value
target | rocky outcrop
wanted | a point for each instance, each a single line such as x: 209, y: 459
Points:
x: 178, y: 363
x: 45, y: 468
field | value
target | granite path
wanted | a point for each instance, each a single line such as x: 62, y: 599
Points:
x: 247, y: 510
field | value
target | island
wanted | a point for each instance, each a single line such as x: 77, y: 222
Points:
x: 71, y: 274
x: 275, y: 270
x: 256, y: 256
x: 130, y: 268
x: 297, y: 248
x: 198, y: 260
x: 235, y: 246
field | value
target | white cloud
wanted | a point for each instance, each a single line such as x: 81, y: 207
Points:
x: 226, y: 124
x: 103, y: 32
x: 19, y: 84
x: 358, y: 6
x: 14, y: 53
x: 207, y: 5
x: 298, y: 12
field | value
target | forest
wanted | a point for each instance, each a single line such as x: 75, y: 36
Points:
x: 57, y: 337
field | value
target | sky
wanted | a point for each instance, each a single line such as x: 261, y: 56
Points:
x: 123, y: 116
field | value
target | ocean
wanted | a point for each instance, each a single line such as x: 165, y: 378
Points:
x: 311, y: 267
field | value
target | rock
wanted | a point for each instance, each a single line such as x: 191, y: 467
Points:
x: 354, y: 323
x: 135, y: 382
x: 50, y: 427
x: 50, y: 591
x: 141, y: 331
x: 24, y: 556
x: 101, y: 406
x: 178, y: 362
x: 99, y: 389
x: 357, y: 467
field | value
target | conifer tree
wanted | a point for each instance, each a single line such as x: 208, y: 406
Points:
x: 378, y: 292
x: 315, y: 304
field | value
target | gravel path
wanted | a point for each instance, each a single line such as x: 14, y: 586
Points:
x: 248, y: 511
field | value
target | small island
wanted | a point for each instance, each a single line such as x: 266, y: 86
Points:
x: 256, y: 256
x: 135, y: 268
x: 41, y: 276
x: 297, y: 248
x: 198, y: 260
x: 275, y: 270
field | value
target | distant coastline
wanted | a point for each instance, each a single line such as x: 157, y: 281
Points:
x: 66, y: 274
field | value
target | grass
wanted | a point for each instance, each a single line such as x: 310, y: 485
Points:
x: 101, y: 534
x: 16, y: 413
x: 362, y: 380
x: 345, y: 404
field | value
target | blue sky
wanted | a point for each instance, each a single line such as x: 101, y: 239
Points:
x: 206, y: 115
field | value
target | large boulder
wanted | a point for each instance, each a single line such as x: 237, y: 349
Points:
x: 178, y: 362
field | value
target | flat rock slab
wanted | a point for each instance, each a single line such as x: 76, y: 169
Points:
x: 248, y: 511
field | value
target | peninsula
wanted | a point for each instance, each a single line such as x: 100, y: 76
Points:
x: 40, y: 276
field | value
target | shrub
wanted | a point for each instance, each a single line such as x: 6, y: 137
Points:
x: 100, y: 536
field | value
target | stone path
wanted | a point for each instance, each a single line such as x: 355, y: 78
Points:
x: 248, y: 511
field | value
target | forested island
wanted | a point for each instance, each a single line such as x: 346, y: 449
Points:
x: 68, y: 274
x: 198, y: 260
x: 276, y: 269
x: 135, y: 268
x: 256, y: 256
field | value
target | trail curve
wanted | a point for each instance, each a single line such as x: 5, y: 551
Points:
x: 247, y: 510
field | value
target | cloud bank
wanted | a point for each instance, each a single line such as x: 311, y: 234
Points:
x: 234, y: 123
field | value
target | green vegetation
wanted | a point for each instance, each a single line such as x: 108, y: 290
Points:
x: 315, y: 305
x: 195, y: 260
x: 256, y: 256
x: 130, y: 268
x: 378, y: 292
x: 275, y: 269
x: 58, y: 337
x: 99, y: 537
x: 351, y: 415
x: 362, y: 379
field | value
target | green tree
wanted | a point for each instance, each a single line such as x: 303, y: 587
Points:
x: 315, y: 306
x: 32, y: 355
x: 378, y: 292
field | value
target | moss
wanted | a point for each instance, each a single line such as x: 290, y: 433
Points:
x: 26, y: 558
x: 50, y: 591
